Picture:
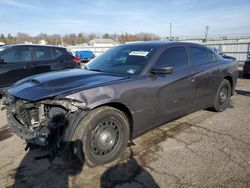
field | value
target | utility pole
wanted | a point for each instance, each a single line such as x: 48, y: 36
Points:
x: 206, y: 32
x: 61, y: 40
x: 170, y: 31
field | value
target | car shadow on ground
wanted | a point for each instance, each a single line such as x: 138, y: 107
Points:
x: 41, y: 169
x: 127, y: 174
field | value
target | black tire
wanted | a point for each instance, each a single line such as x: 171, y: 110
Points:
x: 223, y: 95
x: 102, y: 136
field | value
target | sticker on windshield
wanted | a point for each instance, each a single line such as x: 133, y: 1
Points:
x: 139, y: 53
x: 131, y: 71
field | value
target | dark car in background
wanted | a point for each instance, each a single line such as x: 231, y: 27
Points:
x: 246, y: 67
x: 20, y: 61
x: 85, y: 55
x: 120, y: 95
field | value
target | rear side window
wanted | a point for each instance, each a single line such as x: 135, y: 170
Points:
x: 56, y: 53
x: 199, y: 56
x: 42, y: 53
x: 18, y: 54
x: 175, y: 57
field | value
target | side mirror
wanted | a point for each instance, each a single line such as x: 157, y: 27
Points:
x: 162, y: 70
x: 1, y: 60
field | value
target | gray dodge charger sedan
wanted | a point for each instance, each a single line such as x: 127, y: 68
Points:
x: 93, y: 113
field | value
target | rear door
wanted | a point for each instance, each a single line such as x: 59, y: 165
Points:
x: 207, y: 75
x: 43, y: 60
x: 17, y: 61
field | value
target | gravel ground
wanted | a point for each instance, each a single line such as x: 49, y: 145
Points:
x: 204, y: 149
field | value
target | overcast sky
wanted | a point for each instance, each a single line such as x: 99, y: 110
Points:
x: 189, y: 17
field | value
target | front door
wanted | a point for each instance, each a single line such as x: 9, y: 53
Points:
x: 43, y: 60
x: 175, y: 91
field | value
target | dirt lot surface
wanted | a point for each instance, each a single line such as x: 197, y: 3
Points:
x: 204, y: 149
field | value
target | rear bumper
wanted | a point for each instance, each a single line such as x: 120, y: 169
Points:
x: 29, y: 135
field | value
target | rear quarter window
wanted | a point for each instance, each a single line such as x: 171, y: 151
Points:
x: 56, y: 53
x: 212, y: 56
x: 70, y: 52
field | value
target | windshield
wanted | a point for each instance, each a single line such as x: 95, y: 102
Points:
x: 129, y: 60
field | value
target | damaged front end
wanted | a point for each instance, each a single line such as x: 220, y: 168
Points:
x: 42, y: 122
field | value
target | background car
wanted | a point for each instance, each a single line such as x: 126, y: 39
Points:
x: 20, y: 61
x: 85, y: 55
x: 246, y: 67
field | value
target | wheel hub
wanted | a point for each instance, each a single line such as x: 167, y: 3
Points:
x: 106, y: 139
x: 105, y: 136
x: 223, y: 96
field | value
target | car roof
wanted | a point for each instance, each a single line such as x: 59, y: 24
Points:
x: 159, y: 44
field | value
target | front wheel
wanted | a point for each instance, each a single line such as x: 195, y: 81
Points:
x: 102, y: 136
x: 222, y: 97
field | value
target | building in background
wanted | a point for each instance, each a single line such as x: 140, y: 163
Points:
x: 42, y: 42
x: 97, y: 46
x: 103, y: 43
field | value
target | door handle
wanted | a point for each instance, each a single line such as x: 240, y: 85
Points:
x: 193, y: 80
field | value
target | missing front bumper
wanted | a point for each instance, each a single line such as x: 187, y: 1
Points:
x: 30, y: 136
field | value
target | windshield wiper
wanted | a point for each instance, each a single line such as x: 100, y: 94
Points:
x: 97, y: 70
x: 86, y: 68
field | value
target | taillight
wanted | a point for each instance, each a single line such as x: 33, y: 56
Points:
x: 76, y: 59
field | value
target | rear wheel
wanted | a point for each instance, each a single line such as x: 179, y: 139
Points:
x: 222, y: 97
x: 102, y: 136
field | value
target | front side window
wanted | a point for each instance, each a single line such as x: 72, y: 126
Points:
x: 175, y: 57
x: 12, y: 55
x: 129, y: 60
x: 199, y: 56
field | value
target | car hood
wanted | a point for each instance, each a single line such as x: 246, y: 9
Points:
x: 52, y: 84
